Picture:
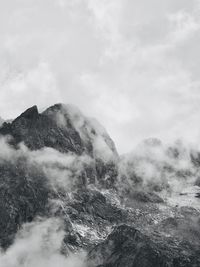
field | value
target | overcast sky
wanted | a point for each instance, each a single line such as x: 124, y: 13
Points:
x: 132, y: 64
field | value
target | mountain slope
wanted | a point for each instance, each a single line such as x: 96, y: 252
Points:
x: 61, y: 165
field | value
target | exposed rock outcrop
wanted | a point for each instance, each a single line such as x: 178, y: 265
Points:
x: 61, y: 164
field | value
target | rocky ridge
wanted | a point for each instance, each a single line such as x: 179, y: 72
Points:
x: 60, y: 164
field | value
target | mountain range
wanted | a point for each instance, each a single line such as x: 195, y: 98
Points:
x: 65, y: 188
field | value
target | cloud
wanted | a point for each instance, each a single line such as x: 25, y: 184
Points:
x: 64, y: 171
x: 24, y: 88
x: 184, y: 25
x: 106, y: 16
x: 61, y: 170
x: 39, y: 244
x: 131, y: 64
x: 159, y: 167
x: 92, y: 133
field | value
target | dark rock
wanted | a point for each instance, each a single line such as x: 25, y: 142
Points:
x: 29, y: 114
x: 53, y: 128
x: 23, y: 196
x: 195, y: 158
x: 95, y: 200
x: 95, y: 203
x: 126, y: 246
x: 57, y: 128
x: 106, y: 173
x: 197, y: 182
x: 39, y: 130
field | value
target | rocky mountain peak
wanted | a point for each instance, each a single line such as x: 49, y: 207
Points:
x: 30, y: 114
x: 122, y: 211
x: 62, y: 127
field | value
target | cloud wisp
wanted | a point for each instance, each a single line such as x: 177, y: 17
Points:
x: 39, y: 244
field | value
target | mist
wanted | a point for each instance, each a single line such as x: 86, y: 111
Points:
x: 40, y: 244
x: 99, y: 133
x: 167, y: 169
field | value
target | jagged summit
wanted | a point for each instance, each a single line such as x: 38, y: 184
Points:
x: 122, y: 211
x: 29, y: 114
x: 62, y: 127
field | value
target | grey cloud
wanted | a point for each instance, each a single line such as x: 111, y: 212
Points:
x: 131, y: 64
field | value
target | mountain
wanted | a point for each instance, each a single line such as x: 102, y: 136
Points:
x: 61, y: 127
x: 65, y: 129
x: 140, y: 209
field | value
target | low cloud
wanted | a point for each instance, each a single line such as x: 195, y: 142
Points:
x: 156, y: 166
x: 61, y: 170
x: 39, y: 244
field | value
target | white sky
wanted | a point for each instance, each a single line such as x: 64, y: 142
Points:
x: 132, y: 64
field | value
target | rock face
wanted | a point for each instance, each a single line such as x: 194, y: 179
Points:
x: 65, y: 129
x: 23, y: 195
x: 58, y: 127
x: 61, y: 164
x: 126, y: 246
x: 25, y: 189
